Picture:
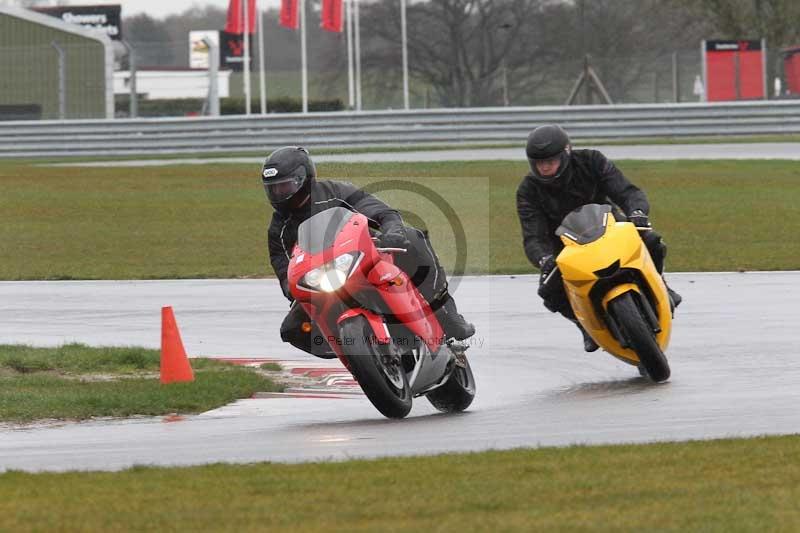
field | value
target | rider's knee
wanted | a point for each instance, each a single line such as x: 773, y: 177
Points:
x: 657, y: 248
x: 288, y: 335
x: 288, y: 330
x: 291, y: 331
x: 653, y: 239
x: 556, y: 303
x: 552, y: 306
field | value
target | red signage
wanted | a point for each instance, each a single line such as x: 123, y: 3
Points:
x: 791, y: 69
x: 231, y: 49
x: 734, y: 70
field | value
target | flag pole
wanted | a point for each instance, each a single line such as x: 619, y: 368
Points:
x: 246, y: 55
x: 404, y: 25
x: 303, y: 54
x: 350, y: 80
x: 261, y: 61
x: 358, y: 56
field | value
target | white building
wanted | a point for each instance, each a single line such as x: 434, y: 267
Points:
x: 158, y: 84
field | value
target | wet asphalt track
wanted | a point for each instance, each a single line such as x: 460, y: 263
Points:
x: 733, y: 355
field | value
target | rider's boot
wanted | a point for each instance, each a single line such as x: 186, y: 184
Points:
x: 675, y: 299
x: 453, y: 323
x: 588, y: 342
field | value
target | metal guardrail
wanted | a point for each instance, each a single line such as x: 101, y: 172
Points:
x: 388, y: 128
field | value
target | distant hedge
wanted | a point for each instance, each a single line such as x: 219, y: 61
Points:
x: 179, y: 107
x: 235, y: 106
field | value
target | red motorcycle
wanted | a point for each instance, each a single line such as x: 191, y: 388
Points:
x: 374, y: 318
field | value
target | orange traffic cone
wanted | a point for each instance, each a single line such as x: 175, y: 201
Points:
x: 175, y: 365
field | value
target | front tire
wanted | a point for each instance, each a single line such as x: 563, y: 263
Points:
x: 385, y: 383
x: 640, y: 336
x: 457, y: 393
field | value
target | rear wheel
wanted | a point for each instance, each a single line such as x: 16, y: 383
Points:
x: 640, y: 336
x: 380, y: 376
x: 458, y: 392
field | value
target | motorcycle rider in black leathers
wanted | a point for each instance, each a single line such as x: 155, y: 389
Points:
x: 289, y: 179
x: 561, y: 180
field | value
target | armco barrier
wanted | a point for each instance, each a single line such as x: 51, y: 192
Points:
x: 388, y: 128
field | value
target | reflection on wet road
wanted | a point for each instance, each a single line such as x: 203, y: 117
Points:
x: 734, y: 373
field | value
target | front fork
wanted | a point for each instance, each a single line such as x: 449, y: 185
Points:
x: 429, y: 371
x: 644, y: 305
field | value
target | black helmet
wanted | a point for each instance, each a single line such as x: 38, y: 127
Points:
x: 288, y: 175
x: 548, y: 142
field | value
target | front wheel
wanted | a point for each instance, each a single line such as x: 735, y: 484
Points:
x: 640, y: 336
x: 459, y: 390
x: 382, y: 379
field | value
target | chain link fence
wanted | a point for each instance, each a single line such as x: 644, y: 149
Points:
x: 64, y: 80
x: 56, y: 81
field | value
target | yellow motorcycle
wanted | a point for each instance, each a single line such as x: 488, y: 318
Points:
x: 614, y: 289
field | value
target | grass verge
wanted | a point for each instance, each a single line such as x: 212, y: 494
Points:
x: 78, y: 382
x: 725, y: 485
x: 210, y: 221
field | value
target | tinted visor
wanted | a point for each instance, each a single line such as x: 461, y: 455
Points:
x: 280, y: 189
x: 562, y: 158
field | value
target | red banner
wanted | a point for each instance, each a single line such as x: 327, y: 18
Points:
x: 290, y: 14
x: 332, y: 15
x: 235, y: 22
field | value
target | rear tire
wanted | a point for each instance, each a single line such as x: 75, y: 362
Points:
x: 386, y: 385
x: 640, y: 336
x: 457, y: 393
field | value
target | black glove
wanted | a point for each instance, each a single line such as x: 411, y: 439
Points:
x: 394, y: 237
x: 639, y: 219
x: 546, y: 266
x: 285, y: 289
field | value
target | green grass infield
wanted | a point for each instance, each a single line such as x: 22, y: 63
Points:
x: 210, y: 221
x: 75, y: 382
x: 725, y: 485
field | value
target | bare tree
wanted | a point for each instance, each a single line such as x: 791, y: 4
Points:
x: 629, y: 40
x: 151, y: 39
x: 482, y: 52
x: 457, y: 47
x: 774, y: 20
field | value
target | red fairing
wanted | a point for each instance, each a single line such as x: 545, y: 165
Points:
x: 375, y: 321
x: 372, y: 272
x: 406, y: 303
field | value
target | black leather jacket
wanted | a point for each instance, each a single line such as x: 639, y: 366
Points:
x: 282, y: 233
x: 590, y: 178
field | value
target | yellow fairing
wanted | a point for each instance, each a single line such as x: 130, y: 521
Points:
x: 578, y: 262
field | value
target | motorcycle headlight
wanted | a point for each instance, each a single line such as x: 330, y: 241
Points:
x: 332, y: 280
x: 313, y: 278
x: 344, y: 262
x: 332, y: 275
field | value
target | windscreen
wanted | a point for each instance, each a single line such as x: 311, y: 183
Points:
x: 585, y: 224
x: 319, y: 232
